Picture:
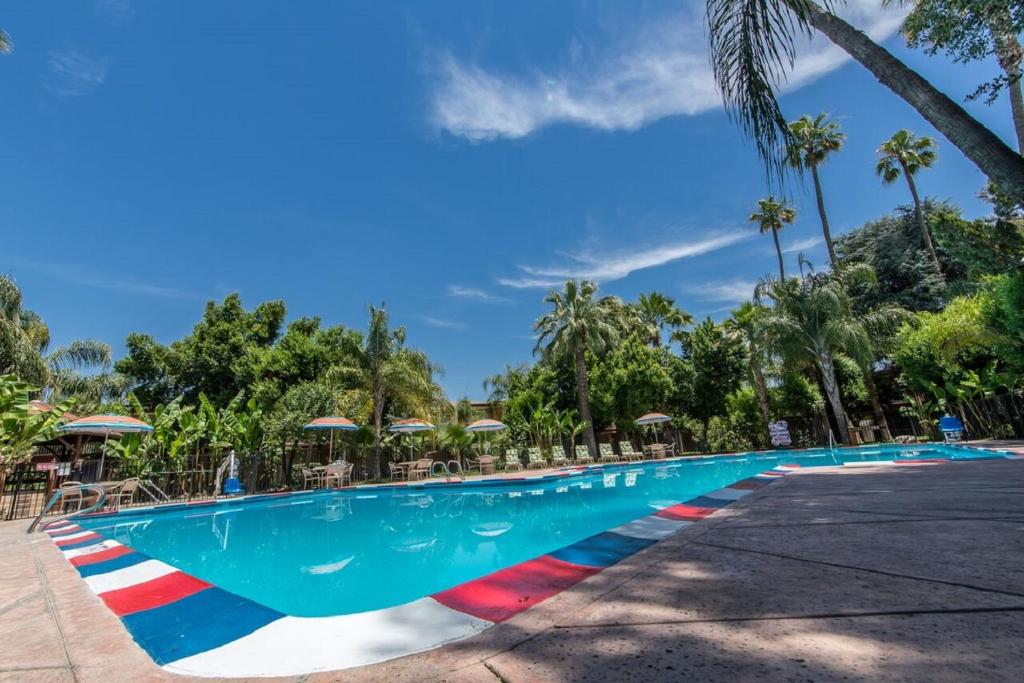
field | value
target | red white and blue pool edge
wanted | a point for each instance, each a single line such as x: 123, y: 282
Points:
x: 191, y: 627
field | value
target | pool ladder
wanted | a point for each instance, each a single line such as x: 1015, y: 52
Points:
x: 101, y: 499
x: 451, y: 470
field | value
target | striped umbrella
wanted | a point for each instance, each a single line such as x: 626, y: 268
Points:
x: 331, y: 424
x: 410, y: 426
x: 105, y: 425
x: 483, y: 426
x: 652, y: 419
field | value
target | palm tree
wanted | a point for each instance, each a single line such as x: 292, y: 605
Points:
x: 811, y: 142
x: 772, y: 215
x: 745, y: 324
x: 576, y: 324
x: 389, y: 371
x: 655, y: 312
x: 753, y: 46
x: 811, y: 319
x: 6, y: 46
x: 905, y: 154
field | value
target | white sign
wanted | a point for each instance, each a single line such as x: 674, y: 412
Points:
x: 779, y: 431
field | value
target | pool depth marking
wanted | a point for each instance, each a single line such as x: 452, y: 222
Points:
x: 189, y: 626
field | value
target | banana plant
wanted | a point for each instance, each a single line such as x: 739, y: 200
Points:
x: 21, y: 428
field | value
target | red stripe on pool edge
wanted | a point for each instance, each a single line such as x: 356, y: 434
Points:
x: 507, y: 592
x: 101, y: 556
x: 155, y: 593
x: 61, y: 542
x: 684, y: 512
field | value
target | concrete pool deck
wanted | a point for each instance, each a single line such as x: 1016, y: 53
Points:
x: 872, y: 572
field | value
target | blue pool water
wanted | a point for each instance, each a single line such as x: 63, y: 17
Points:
x: 339, y: 552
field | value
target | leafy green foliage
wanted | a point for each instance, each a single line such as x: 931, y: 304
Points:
x: 21, y: 427
x: 717, y: 360
x: 631, y: 380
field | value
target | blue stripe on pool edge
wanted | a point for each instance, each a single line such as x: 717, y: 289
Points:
x: 198, y: 623
x: 128, y: 560
x: 601, y: 550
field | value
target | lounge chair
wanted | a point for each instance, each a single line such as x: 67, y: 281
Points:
x: 952, y: 428
x: 583, y: 455
x: 558, y: 456
x: 606, y: 452
x: 626, y: 448
x: 512, y: 462
x: 535, y: 458
x: 123, y: 493
x: 396, y: 471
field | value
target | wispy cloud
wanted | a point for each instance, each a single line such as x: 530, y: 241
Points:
x: 116, y: 10
x: 657, y: 69
x: 443, y: 323
x: 801, y: 245
x: 735, y: 290
x: 77, y: 276
x: 475, y: 294
x: 609, y: 266
x: 74, y: 72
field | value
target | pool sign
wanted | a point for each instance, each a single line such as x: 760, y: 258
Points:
x: 779, y: 432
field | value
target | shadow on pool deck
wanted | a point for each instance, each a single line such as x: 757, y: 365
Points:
x: 868, y: 573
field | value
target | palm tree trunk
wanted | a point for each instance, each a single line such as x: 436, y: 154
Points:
x: 378, y: 427
x: 876, y: 405
x: 759, y: 384
x: 831, y: 384
x: 926, y: 234
x: 778, y: 250
x: 824, y: 219
x: 583, y: 400
x: 990, y: 154
x: 1008, y: 54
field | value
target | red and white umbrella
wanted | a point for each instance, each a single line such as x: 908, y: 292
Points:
x: 484, y: 426
x: 331, y: 424
x: 410, y: 426
x: 105, y: 425
x: 653, y: 420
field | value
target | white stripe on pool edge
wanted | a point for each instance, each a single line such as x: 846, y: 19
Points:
x: 60, y: 529
x: 69, y: 537
x: 90, y: 549
x: 129, y: 576
x: 293, y: 646
x: 652, y: 527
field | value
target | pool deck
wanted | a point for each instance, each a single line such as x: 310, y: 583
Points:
x: 870, y: 572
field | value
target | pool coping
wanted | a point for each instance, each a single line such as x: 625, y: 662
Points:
x: 188, y: 626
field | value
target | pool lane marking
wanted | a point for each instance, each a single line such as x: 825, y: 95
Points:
x: 189, y: 626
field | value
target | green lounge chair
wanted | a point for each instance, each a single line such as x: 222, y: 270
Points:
x: 558, y: 456
x: 607, y: 454
x: 512, y: 462
x: 535, y: 458
x: 626, y: 448
x: 583, y: 455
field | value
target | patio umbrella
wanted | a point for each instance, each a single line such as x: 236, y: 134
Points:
x: 105, y: 425
x: 331, y: 424
x: 484, y: 426
x: 410, y: 426
x: 653, y: 419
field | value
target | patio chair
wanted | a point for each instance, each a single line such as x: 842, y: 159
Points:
x: 952, y: 428
x: 338, y: 474
x: 421, y: 470
x: 626, y: 448
x: 396, y: 471
x: 512, y: 462
x: 310, y: 477
x: 583, y: 455
x: 486, y: 463
x: 71, y: 496
x: 606, y: 452
x: 558, y: 456
x: 535, y: 459
x: 123, y: 493
x: 655, y: 451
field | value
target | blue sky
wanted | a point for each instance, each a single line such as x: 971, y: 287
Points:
x: 450, y: 159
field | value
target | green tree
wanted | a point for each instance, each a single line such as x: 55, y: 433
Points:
x: 578, y: 323
x: 656, y: 312
x: 771, y: 216
x: 745, y: 325
x: 20, y: 426
x: 753, y: 46
x: 973, y: 30
x: 283, y: 425
x: 811, y: 143
x: 630, y: 380
x: 717, y: 360
x: 390, y: 372
x: 904, y: 154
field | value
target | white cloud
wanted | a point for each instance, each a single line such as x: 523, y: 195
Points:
x: 608, y: 266
x: 442, y: 323
x: 116, y: 10
x: 736, y: 290
x: 475, y: 294
x: 85, y: 278
x: 801, y: 245
x: 74, y: 72
x: 658, y: 69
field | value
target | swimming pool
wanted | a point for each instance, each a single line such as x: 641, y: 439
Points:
x: 357, y: 566
x: 341, y: 552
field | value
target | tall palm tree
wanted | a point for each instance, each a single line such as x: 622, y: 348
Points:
x: 655, y: 312
x: 6, y: 46
x: 753, y: 45
x: 771, y: 216
x: 904, y: 154
x: 745, y: 324
x: 578, y: 323
x: 811, y: 142
x: 811, y: 319
x: 389, y: 371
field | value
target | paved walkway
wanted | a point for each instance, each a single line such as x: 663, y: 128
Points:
x: 880, y: 573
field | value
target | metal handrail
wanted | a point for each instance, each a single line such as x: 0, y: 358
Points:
x: 101, y: 500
